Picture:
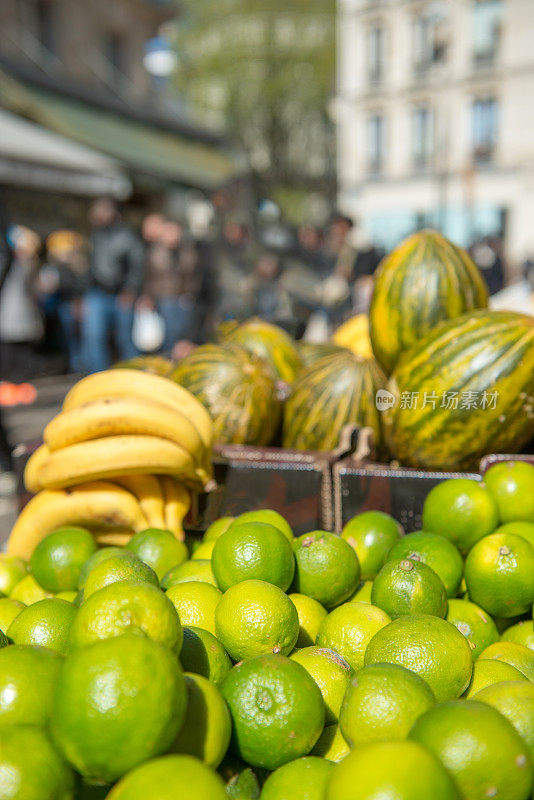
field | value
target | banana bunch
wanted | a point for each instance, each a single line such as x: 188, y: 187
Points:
x: 123, y: 455
x: 112, y: 510
x: 124, y: 423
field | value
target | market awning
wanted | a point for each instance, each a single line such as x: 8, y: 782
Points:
x: 143, y: 149
x: 31, y: 155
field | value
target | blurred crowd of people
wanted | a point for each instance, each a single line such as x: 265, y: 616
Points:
x: 118, y: 292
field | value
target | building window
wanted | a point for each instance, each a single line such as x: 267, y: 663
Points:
x: 487, y: 16
x: 375, y: 144
x: 485, y: 129
x: 429, y: 42
x: 114, y: 51
x: 422, y: 137
x: 46, y: 25
x: 375, y: 54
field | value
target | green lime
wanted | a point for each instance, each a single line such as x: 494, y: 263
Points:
x: 241, y: 781
x: 58, y: 559
x: 327, y: 568
x: 311, y: 614
x: 517, y: 655
x: 479, y: 748
x: 362, y: 593
x: 349, y: 628
x: 461, y: 510
x: 30, y: 767
x: 409, y: 587
x: 522, y: 633
x: 430, y: 647
x: 474, y: 623
x: 488, y: 671
x: 330, y: 672
x: 372, y: 535
x: 28, y: 676
x: 512, y: 485
x: 206, y: 730
x: 196, y: 570
x: 12, y: 570
x: 302, y: 779
x: 499, y: 573
x: 253, y: 551
x: 217, y: 528
x: 116, y: 569
x: 270, y: 517
x: 331, y: 744
x: 97, y: 558
x: 127, y: 607
x: 9, y: 609
x: 160, y: 549
x: 28, y: 591
x: 203, y: 551
x: 123, y: 690
x: 519, y: 528
x: 169, y: 778
x: 436, y: 552
x: 195, y: 603
x: 203, y: 654
x: 382, y: 703
x: 276, y: 708
x: 515, y: 701
x: 391, y: 771
x: 47, y: 623
x: 255, y: 617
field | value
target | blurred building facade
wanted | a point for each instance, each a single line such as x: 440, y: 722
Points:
x: 99, y: 44
x: 436, y: 119
x: 80, y: 114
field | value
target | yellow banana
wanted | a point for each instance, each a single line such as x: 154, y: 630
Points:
x: 133, y: 383
x: 112, y: 416
x: 118, y: 538
x: 95, y: 505
x: 149, y: 493
x: 116, y: 455
x: 33, y: 466
x: 177, y: 504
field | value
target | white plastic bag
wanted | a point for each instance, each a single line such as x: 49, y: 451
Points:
x: 148, y: 330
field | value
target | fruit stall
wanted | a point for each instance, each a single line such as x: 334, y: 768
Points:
x: 285, y: 571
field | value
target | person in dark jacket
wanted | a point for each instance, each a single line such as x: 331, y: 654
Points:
x: 116, y: 275
x: 63, y: 281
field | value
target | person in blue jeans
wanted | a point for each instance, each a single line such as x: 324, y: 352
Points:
x: 116, y: 275
x: 173, y: 279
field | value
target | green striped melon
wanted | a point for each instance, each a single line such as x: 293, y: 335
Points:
x: 157, y: 365
x: 484, y: 356
x: 424, y: 281
x: 267, y: 341
x: 334, y: 391
x: 310, y: 352
x: 237, y: 388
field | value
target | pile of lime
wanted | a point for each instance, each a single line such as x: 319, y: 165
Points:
x: 375, y: 665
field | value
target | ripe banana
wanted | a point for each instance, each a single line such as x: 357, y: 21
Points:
x: 33, y: 466
x: 95, y: 505
x: 132, y: 383
x: 177, y: 504
x: 115, y: 455
x: 149, y: 493
x: 118, y: 538
x: 112, y: 416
